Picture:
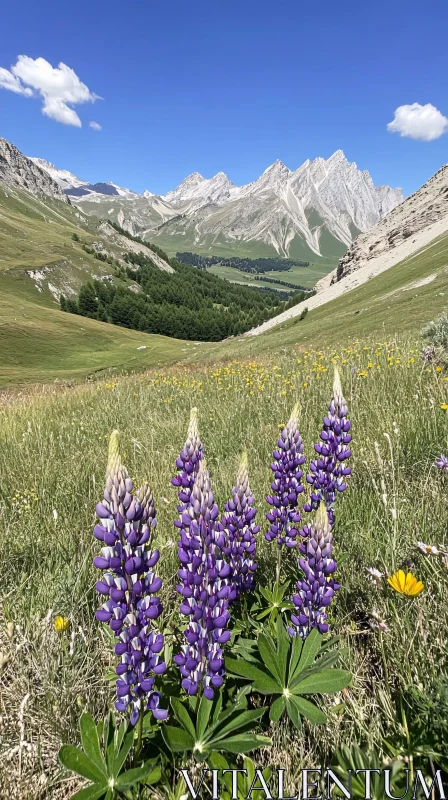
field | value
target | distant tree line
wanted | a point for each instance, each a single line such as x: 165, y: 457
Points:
x: 257, y: 265
x: 283, y: 283
x: 186, y: 304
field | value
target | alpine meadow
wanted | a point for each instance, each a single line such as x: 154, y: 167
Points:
x: 223, y: 410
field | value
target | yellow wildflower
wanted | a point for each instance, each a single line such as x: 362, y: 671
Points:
x: 60, y: 624
x: 406, y: 584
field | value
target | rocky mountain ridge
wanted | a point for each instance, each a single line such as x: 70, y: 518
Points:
x: 16, y: 170
x: 316, y: 209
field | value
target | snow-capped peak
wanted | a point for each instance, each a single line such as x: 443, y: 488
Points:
x: 147, y: 193
x: 63, y: 177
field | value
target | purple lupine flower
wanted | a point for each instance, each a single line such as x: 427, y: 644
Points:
x: 188, y: 462
x: 205, y: 590
x: 239, y: 524
x: 328, y: 472
x: 315, y: 590
x: 286, y: 487
x: 131, y: 587
x: 442, y: 463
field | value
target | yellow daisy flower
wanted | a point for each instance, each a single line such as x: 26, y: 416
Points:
x: 60, y: 624
x: 406, y: 584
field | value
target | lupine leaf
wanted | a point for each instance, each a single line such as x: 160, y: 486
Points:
x: 293, y: 714
x: 240, y: 667
x: 120, y: 736
x: 277, y: 709
x: 182, y: 716
x: 240, y: 721
x: 310, y: 650
x: 267, y: 685
x: 122, y: 754
x: 205, y: 708
x: 154, y: 776
x: 244, y: 744
x: 269, y: 655
x: 94, y: 792
x: 177, y: 739
x: 75, y: 759
x: 90, y: 742
x: 295, y: 655
x: 133, y: 776
x: 325, y: 682
x: 309, y: 710
x: 283, y: 650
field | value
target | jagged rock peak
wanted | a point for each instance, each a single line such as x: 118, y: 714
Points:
x: 18, y: 170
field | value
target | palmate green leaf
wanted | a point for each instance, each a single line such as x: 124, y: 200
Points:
x: 293, y: 713
x: 91, y: 743
x: 327, y: 681
x: 244, y: 743
x: 238, y: 722
x: 239, y: 667
x: 75, y: 759
x: 309, y: 710
x: 269, y: 655
x: 205, y: 709
x: 310, y: 649
x: 93, y: 792
x: 296, y: 652
x: 177, y: 739
x: 133, y: 776
x: 183, y: 717
x: 283, y: 650
x: 277, y: 709
x: 122, y: 753
x: 267, y: 685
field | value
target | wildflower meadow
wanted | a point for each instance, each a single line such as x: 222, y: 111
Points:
x: 237, y: 565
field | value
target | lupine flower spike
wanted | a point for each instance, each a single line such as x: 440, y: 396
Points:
x: 131, y: 586
x: 328, y: 472
x: 188, y: 462
x: 241, y: 530
x: 287, y: 486
x: 205, y: 590
x: 316, y: 589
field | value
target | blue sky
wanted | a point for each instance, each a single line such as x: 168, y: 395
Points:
x: 230, y: 85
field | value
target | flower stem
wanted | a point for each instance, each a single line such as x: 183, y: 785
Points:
x: 139, y: 737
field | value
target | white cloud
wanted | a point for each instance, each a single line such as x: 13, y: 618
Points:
x: 415, y: 121
x: 58, y: 86
x: 96, y: 126
x: 10, y: 82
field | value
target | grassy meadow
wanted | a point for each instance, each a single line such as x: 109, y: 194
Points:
x: 53, y: 452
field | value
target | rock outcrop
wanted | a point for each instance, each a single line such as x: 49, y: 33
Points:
x: 18, y: 170
x: 400, y: 232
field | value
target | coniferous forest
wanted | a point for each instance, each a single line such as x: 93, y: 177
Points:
x: 186, y: 304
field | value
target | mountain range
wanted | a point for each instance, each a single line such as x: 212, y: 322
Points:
x: 314, y: 212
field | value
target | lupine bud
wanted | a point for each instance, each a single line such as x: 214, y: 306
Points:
x: 286, y: 487
x: 204, y: 588
x: 328, y: 472
x: 188, y: 462
x: 130, y: 586
x: 240, y: 528
x: 316, y: 589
